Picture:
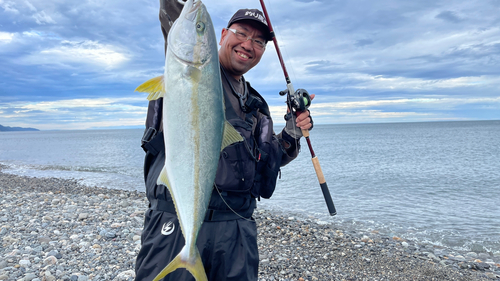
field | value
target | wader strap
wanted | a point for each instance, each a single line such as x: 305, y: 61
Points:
x: 163, y: 206
x: 212, y: 215
x: 154, y: 145
x: 215, y: 215
x: 227, y: 215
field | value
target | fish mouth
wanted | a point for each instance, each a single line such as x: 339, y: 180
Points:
x: 181, y: 50
x: 192, y: 12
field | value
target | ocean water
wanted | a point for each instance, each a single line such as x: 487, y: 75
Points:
x: 436, y: 182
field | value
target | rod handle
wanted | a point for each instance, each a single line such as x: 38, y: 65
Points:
x: 324, y: 187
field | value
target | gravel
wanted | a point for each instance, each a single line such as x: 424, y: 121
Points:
x: 54, y: 229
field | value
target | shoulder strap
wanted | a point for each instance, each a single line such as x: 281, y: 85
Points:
x: 155, y: 145
x: 263, y: 108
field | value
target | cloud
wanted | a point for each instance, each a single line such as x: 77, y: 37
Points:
x: 402, y: 83
x: 390, y: 110
x: 449, y: 16
x: 363, y: 42
x: 77, y: 113
x: 6, y: 37
x: 30, y: 6
x: 119, y: 104
x: 43, y: 18
x: 79, y: 52
x: 434, y: 102
x: 365, y: 61
x: 8, y: 7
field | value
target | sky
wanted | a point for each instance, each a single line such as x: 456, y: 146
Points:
x: 72, y: 65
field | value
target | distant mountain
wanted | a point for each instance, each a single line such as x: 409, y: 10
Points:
x: 10, y: 129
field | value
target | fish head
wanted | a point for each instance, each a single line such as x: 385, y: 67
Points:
x: 192, y: 37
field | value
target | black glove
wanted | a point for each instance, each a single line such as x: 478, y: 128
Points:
x: 169, y: 12
x: 291, y: 125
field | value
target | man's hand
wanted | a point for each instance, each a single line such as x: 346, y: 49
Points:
x: 296, y: 124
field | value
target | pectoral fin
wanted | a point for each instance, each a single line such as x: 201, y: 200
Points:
x: 163, y: 178
x: 230, y: 135
x: 154, y: 87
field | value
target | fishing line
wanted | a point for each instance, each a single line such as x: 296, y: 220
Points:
x: 301, y: 101
x: 294, y: 118
x: 222, y: 197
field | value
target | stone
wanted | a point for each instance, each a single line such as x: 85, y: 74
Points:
x: 492, y: 275
x: 125, y: 275
x: 83, y: 216
x: 50, y: 260
x: 484, y: 256
x: 52, y: 253
x: 25, y: 263
x: 107, y: 234
x: 29, y: 277
x: 365, y: 239
x: 482, y: 266
x: 433, y: 257
x: 471, y: 255
x: 49, y: 276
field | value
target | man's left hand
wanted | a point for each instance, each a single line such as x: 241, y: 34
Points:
x: 304, y: 121
x: 295, y: 124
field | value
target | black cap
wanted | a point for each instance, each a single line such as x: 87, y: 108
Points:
x: 255, y: 15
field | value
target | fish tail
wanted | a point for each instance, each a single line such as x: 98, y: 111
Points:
x: 196, y: 268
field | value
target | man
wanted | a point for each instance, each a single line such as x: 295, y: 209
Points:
x: 247, y: 170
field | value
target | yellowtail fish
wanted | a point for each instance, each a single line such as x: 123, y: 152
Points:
x: 194, y: 125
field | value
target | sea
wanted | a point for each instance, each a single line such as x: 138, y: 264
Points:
x: 435, y: 182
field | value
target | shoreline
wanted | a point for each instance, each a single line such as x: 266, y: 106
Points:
x: 56, y: 229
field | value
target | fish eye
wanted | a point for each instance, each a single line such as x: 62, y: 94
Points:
x: 200, y: 26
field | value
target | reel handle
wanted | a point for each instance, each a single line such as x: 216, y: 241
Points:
x: 300, y: 100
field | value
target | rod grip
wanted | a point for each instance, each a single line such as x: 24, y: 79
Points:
x: 317, y: 168
x: 324, y: 187
x: 328, y: 199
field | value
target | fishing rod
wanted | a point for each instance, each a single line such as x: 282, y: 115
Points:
x: 300, y: 101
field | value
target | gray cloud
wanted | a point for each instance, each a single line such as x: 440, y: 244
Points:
x: 449, y: 16
x: 363, y: 42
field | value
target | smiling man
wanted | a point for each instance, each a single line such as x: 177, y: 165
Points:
x: 246, y: 171
x: 238, y: 55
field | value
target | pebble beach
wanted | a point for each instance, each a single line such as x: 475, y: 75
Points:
x: 55, y: 229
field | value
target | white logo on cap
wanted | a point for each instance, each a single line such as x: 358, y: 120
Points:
x: 257, y: 16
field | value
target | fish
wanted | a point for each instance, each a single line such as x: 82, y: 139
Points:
x: 194, y: 125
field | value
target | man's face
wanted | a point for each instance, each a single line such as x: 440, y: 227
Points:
x: 236, y: 56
